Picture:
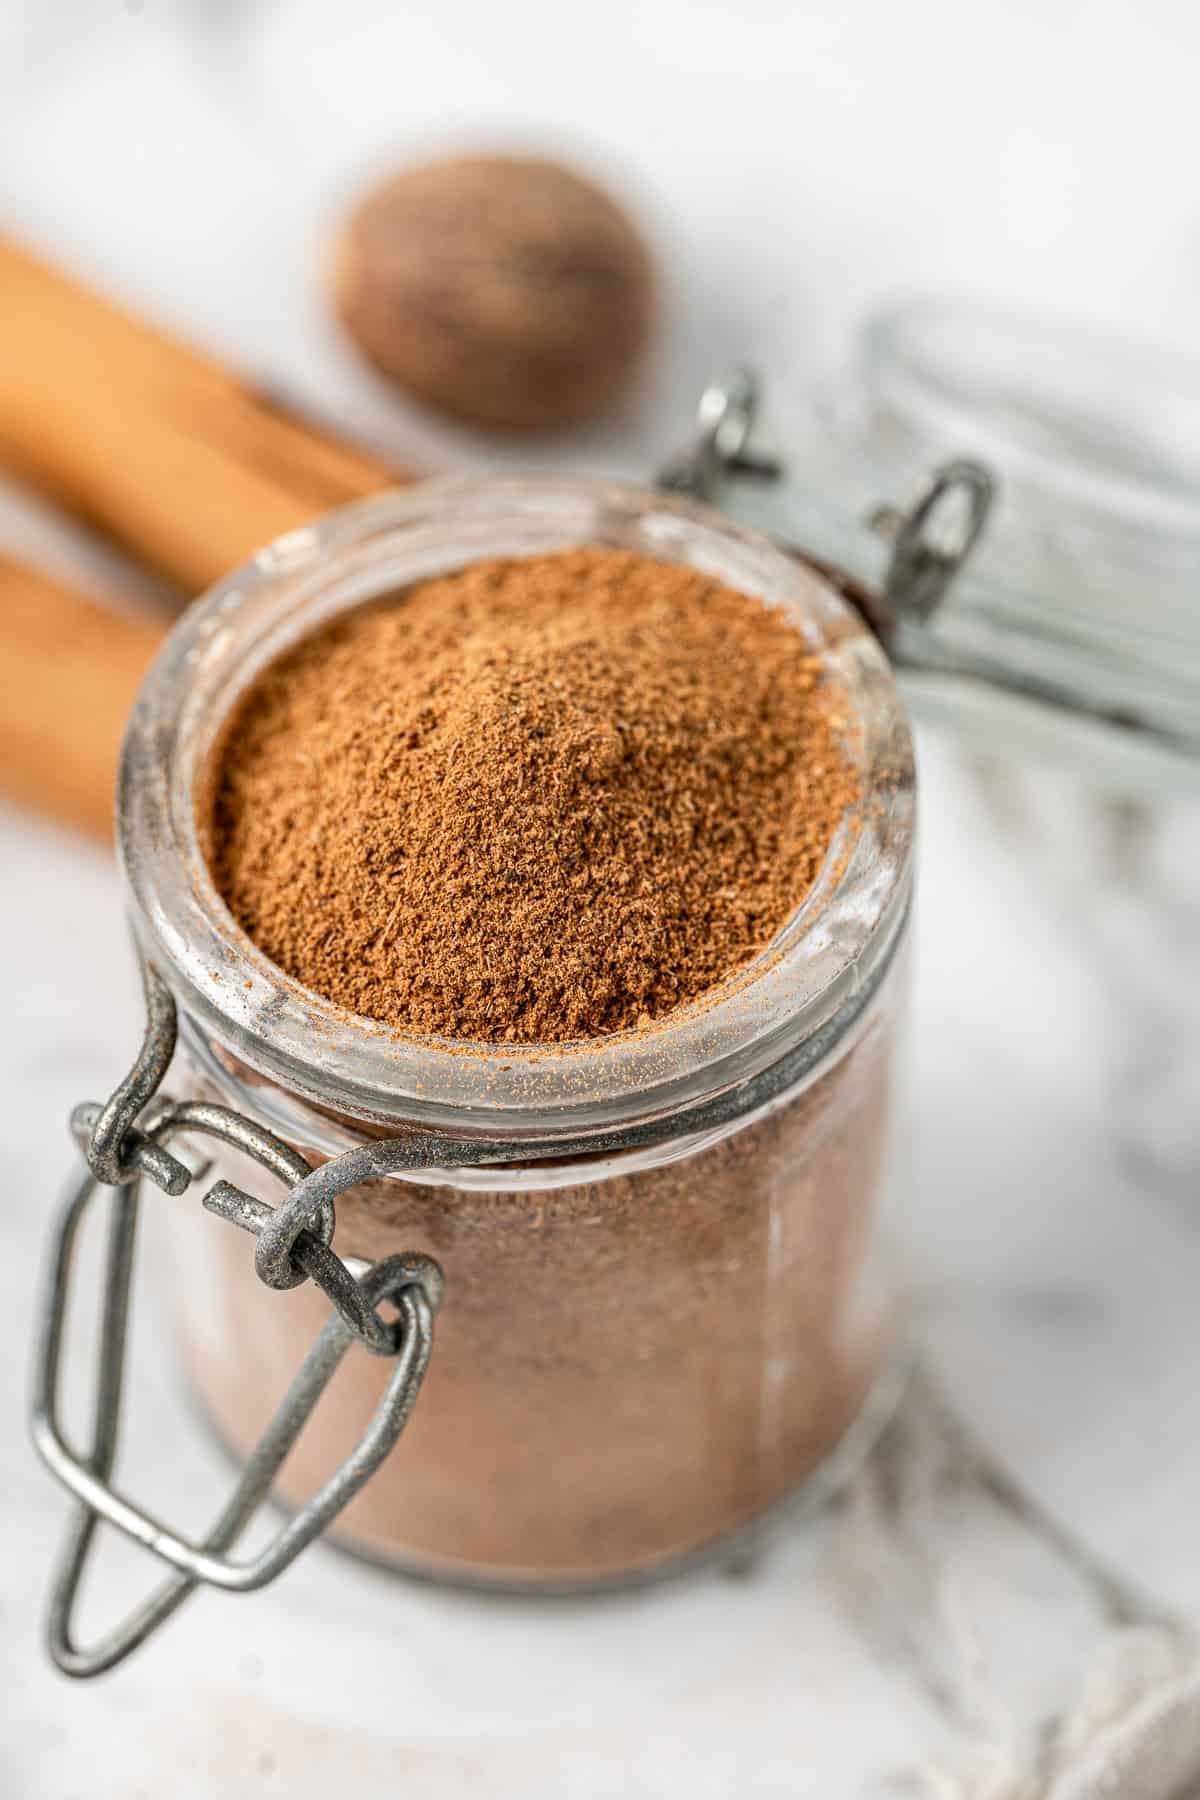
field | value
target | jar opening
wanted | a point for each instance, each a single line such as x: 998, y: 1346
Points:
x: 234, y: 995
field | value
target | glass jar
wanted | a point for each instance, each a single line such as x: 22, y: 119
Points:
x: 1083, y: 583
x: 667, y: 1306
x: 1057, y: 682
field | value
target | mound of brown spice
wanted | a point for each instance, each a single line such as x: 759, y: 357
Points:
x: 537, y: 799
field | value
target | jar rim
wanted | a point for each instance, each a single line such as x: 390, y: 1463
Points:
x: 232, y: 994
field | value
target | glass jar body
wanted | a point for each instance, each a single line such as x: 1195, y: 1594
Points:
x: 1085, y: 579
x: 1088, y: 573
x: 635, y: 1359
x: 672, y: 1311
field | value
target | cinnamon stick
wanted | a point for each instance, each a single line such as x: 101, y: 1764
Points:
x: 157, y: 446
x: 69, y: 669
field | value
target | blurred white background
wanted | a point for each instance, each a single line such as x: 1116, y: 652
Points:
x: 794, y: 164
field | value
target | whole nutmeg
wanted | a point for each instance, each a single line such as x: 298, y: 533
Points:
x: 506, y: 291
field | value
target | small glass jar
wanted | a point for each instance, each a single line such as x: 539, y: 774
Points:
x: 651, y: 1339
x: 1059, y: 678
x: 1071, y: 632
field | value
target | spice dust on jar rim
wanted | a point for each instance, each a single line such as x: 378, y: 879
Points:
x: 234, y: 993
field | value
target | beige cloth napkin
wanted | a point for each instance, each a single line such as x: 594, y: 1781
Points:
x: 1055, y: 1678
x: 1134, y: 1734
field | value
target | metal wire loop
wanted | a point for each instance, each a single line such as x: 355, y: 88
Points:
x: 310, y: 1200
x: 934, y: 538
x: 721, y: 446
x: 116, y: 1151
x: 412, y: 1284
x: 122, y: 1141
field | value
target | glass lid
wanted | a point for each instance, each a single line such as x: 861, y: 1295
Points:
x: 1018, y: 498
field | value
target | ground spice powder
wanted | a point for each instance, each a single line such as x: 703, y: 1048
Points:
x: 537, y: 799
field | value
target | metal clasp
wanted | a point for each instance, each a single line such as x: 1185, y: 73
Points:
x: 725, y: 420
x: 122, y: 1146
x: 931, y: 540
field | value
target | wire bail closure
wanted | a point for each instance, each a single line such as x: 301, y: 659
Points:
x: 931, y: 539
x: 124, y: 1141
x: 294, y: 1246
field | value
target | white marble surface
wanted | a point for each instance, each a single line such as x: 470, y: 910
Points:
x: 794, y: 165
